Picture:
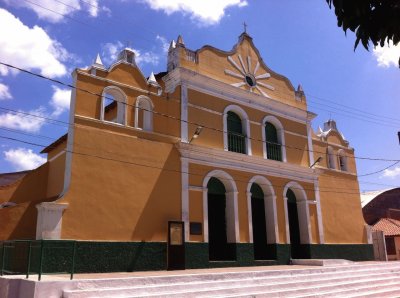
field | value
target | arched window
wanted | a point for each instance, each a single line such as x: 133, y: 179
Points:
x: 144, y: 113
x: 274, y: 148
x: 342, y: 160
x: 113, y: 105
x: 236, y: 138
x: 274, y: 139
x: 331, y: 158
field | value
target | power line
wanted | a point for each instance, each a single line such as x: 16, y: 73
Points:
x: 379, y: 171
x: 238, y: 159
x: 351, y: 112
x: 172, y: 170
x: 167, y: 116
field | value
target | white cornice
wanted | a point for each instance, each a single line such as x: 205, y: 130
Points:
x: 217, y: 158
x: 204, y: 84
x: 333, y: 144
x: 115, y: 83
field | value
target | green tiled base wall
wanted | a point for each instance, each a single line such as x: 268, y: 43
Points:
x: 96, y: 256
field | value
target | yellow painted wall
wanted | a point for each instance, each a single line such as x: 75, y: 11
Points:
x: 122, y: 187
x: 89, y: 105
x: 208, y: 112
x: 341, y: 208
x: 212, y: 63
x: 19, y: 222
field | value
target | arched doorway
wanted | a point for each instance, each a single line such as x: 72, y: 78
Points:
x: 258, y: 222
x: 293, y: 218
x: 219, y: 248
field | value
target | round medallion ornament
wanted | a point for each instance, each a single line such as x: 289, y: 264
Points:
x: 248, y: 75
x: 250, y: 80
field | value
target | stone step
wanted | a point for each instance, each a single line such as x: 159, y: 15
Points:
x: 250, y: 283
x: 386, y: 292
x: 335, y: 290
x: 371, y: 290
x: 204, y: 277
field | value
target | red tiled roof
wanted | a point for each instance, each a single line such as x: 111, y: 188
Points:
x: 389, y: 226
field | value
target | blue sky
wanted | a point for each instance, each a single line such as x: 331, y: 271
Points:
x: 298, y: 39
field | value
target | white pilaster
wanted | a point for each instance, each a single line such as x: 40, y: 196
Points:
x: 309, y: 142
x: 304, y: 221
x: 250, y: 216
x: 49, y: 220
x: 205, y: 214
x: 285, y: 199
x: 232, y: 223
x: 184, y: 114
x: 272, y: 220
x: 185, y: 195
x: 319, y: 213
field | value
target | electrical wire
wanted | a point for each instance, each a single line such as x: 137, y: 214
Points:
x: 164, y: 115
x: 173, y: 170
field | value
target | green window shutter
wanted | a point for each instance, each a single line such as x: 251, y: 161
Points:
x: 274, y: 150
x: 215, y: 186
x: 236, y: 138
x: 270, y: 133
x: 234, y: 123
x: 256, y: 191
x: 291, y: 196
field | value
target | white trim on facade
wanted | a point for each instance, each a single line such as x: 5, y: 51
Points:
x: 145, y: 103
x: 281, y: 135
x: 120, y: 97
x: 303, y: 212
x: 49, y: 220
x: 271, y: 217
x: 232, y: 212
x: 319, y: 213
x: 206, y: 85
x: 184, y: 114
x: 115, y: 83
x: 331, y: 160
x: 185, y: 195
x: 241, y: 162
x: 245, y: 126
x: 309, y: 144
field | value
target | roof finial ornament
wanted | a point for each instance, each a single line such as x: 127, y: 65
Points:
x: 244, y: 27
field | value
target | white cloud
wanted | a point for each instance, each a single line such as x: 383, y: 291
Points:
x: 4, y: 92
x: 208, y: 12
x: 60, y: 100
x: 29, y: 48
x: 391, y: 173
x: 23, y: 159
x: 111, y: 50
x: 146, y: 57
x: 164, y: 43
x: 388, y: 55
x: 25, y: 121
x: 54, y: 11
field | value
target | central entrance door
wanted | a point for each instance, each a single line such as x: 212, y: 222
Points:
x: 293, y: 224
x: 219, y: 248
x: 259, y: 222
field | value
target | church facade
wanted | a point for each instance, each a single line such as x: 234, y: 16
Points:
x: 213, y: 162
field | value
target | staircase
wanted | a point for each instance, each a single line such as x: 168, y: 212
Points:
x: 355, y: 280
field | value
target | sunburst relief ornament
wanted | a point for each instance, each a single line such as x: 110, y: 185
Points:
x: 248, y: 75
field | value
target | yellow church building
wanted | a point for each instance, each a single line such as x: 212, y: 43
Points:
x: 211, y: 163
